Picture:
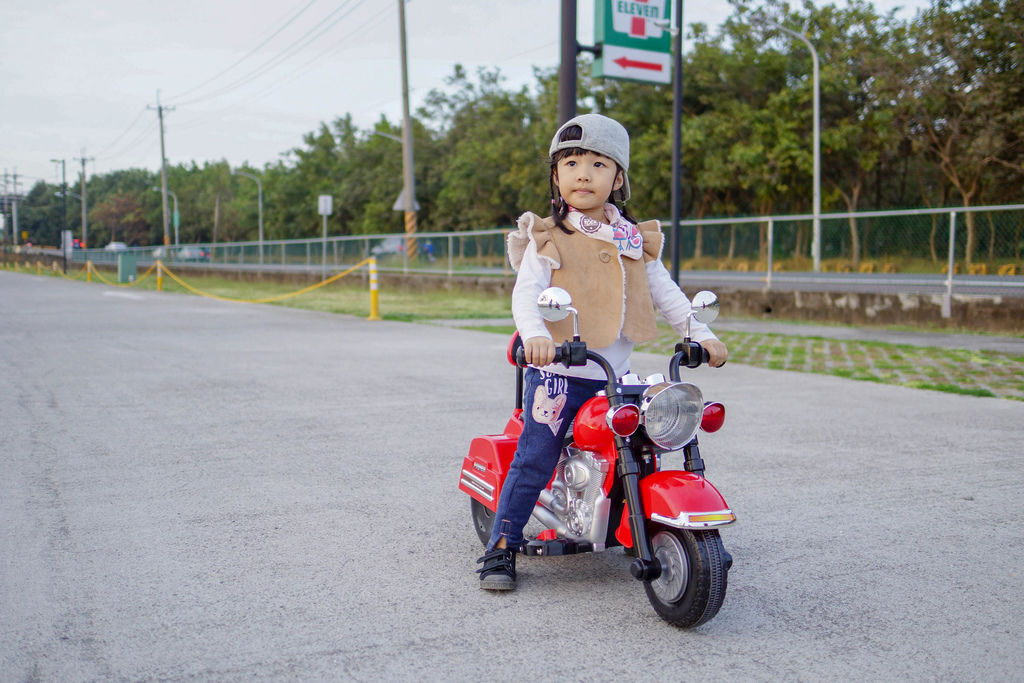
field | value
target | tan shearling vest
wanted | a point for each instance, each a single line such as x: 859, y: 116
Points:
x: 610, y: 291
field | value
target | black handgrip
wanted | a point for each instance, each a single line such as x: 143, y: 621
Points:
x: 694, y: 355
x: 568, y: 354
x: 691, y: 354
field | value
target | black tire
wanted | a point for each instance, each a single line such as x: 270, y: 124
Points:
x: 483, y: 520
x: 695, y: 569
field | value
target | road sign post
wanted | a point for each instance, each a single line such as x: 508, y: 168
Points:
x: 325, y: 208
x: 634, y: 41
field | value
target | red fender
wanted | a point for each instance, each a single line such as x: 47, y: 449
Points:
x: 670, y: 493
x: 484, y: 468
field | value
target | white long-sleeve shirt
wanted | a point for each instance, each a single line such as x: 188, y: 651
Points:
x: 535, y: 275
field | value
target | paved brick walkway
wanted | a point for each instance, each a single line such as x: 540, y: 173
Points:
x: 982, y: 365
x: 960, y: 363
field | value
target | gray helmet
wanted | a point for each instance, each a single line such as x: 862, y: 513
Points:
x: 602, y: 135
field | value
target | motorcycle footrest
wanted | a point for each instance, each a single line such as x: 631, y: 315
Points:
x: 557, y: 546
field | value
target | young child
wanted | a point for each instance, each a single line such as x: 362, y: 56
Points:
x: 613, y: 270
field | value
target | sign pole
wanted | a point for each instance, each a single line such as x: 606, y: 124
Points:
x: 325, y: 207
x: 677, y: 115
x: 567, y: 69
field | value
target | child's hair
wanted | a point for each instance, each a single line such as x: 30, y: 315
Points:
x: 559, y: 207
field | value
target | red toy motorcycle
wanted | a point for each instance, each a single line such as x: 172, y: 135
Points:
x: 608, y: 488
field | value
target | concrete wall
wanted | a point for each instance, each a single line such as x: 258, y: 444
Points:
x: 979, y: 313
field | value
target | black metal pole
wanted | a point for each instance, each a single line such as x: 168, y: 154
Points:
x: 567, y: 69
x: 677, y: 115
x: 64, y: 212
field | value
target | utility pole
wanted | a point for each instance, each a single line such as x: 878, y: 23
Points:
x: 64, y: 207
x: 85, y: 219
x: 14, y: 206
x: 11, y: 200
x: 3, y: 208
x: 163, y: 164
x: 408, y: 182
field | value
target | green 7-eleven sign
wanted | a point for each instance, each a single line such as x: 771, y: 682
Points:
x: 634, y: 39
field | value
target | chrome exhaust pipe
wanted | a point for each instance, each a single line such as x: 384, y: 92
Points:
x: 547, y: 517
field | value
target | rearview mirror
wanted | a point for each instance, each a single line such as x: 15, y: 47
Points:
x: 555, y: 304
x: 705, y: 306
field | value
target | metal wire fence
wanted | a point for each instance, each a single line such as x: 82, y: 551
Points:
x: 450, y: 253
x: 977, y: 241
x: 974, y: 241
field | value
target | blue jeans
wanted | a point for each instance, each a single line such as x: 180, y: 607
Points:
x: 550, y: 403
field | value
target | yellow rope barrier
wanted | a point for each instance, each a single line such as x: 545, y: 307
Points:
x: 89, y: 270
x: 76, y: 275
x: 268, y: 299
x: 105, y: 281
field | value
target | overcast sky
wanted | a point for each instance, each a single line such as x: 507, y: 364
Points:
x: 247, y: 78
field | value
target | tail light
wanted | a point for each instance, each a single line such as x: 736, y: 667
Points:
x: 624, y: 419
x: 713, y: 418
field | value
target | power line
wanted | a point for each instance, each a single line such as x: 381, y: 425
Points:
x: 124, y: 132
x: 320, y: 29
x: 135, y: 142
x: 250, y: 53
x: 291, y: 76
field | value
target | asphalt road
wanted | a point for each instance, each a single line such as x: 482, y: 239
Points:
x: 198, y: 489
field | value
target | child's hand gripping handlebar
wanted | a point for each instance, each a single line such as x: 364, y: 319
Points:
x: 569, y: 353
x: 688, y: 353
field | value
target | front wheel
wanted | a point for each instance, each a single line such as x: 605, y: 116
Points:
x: 694, y: 573
x: 483, y: 520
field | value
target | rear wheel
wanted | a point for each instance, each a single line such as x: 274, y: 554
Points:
x: 483, y: 520
x: 694, y: 573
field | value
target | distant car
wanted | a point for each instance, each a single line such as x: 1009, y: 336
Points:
x: 192, y: 254
x: 388, y: 245
x: 116, y: 246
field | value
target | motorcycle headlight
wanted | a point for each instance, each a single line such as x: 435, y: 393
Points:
x: 671, y: 413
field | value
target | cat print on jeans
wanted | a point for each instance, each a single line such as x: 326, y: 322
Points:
x: 549, y: 399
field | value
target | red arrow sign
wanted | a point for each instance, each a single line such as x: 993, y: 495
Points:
x: 627, y: 63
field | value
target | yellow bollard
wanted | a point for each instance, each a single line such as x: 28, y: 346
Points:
x: 39, y: 268
x: 88, y: 271
x: 159, y: 276
x: 374, y: 294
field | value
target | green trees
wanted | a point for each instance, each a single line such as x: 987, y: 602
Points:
x: 964, y: 98
x: 922, y: 112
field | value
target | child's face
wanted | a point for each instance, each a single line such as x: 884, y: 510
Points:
x: 586, y: 181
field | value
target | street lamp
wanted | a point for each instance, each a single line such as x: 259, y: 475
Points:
x: 259, y: 189
x: 177, y: 218
x: 816, y: 199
